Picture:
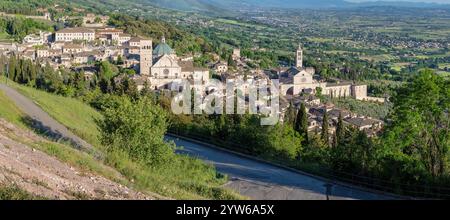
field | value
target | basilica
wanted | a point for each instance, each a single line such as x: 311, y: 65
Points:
x: 161, y: 67
x: 298, y: 79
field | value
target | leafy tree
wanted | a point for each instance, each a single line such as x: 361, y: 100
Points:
x: 316, y: 151
x: 137, y: 128
x: 285, y: 141
x: 107, y: 70
x: 77, y: 22
x: 419, y: 132
x: 97, y: 20
x: 120, y: 60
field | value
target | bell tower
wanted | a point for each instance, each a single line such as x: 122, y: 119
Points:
x: 299, y: 57
x: 146, y: 59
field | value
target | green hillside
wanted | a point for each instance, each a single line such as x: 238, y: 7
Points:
x: 188, y: 178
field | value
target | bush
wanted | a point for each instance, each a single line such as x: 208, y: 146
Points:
x: 138, y: 129
x: 15, y: 193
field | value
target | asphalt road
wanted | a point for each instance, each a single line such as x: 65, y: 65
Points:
x: 39, y: 119
x: 251, y: 178
x: 263, y: 181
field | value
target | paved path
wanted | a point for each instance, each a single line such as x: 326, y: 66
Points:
x: 40, y: 120
x: 263, y: 181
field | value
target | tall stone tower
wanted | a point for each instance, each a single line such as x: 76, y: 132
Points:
x: 299, y: 57
x: 146, y: 57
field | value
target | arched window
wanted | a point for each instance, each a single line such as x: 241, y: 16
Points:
x: 166, y: 73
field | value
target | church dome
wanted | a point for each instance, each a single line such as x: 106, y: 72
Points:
x: 162, y: 49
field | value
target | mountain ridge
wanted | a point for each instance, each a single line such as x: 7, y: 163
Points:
x: 229, y: 6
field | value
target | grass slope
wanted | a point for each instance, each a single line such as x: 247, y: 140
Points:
x: 9, y: 111
x: 74, y: 114
x: 189, y: 178
x: 85, y: 162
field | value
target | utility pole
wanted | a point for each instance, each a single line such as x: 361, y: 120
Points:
x: 7, y: 72
x: 328, y: 187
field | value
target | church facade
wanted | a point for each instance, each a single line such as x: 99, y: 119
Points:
x: 298, y: 79
x: 161, y: 67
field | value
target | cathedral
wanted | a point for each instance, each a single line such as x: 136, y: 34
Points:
x: 161, y: 67
x: 298, y: 79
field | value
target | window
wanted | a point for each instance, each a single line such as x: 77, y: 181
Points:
x: 166, y: 73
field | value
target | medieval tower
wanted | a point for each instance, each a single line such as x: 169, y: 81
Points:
x: 299, y: 57
x: 146, y: 57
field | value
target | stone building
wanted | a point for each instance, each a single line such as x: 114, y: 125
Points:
x: 37, y: 39
x: 93, y: 20
x: 299, y: 79
x: 236, y: 54
x: 71, y: 34
x: 146, y: 57
x: 161, y: 67
x: 221, y: 67
x: 111, y: 34
x: 72, y: 48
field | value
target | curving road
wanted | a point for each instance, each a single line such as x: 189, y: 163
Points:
x: 262, y: 181
x: 257, y: 180
x: 40, y: 120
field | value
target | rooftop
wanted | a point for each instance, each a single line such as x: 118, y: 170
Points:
x: 76, y: 30
x: 163, y: 49
x: 362, y: 122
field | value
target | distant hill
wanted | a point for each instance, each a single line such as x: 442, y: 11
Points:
x: 284, y: 3
x: 210, y: 6
x: 402, y: 4
x: 230, y: 6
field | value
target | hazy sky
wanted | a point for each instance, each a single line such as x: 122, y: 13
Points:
x: 435, y: 1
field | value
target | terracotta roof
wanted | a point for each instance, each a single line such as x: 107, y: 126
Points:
x: 110, y: 30
x: 362, y: 122
x: 124, y: 35
x: 136, y: 39
x: 76, y: 30
x: 76, y: 46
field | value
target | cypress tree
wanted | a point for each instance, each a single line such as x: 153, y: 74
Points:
x: 339, y: 130
x: 325, y: 137
x: 290, y: 115
x: 301, y: 124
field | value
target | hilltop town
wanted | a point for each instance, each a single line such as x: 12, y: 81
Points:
x: 158, y: 67
x: 146, y: 97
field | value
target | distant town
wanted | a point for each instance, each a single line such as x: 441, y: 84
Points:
x: 224, y: 100
x: 159, y: 67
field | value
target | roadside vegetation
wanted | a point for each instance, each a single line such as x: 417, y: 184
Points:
x: 353, y: 157
x: 13, y: 192
x: 174, y: 176
x: 410, y: 156
x: 73, y: 113
x: 9, y: 111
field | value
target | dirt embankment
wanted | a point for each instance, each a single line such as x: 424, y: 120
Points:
x: 46, y: 176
